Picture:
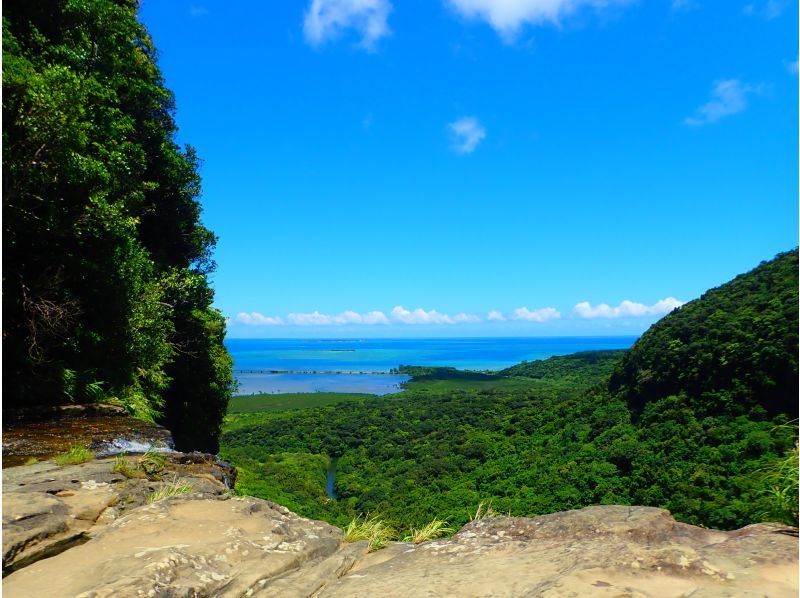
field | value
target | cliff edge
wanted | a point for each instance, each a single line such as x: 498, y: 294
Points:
x: 87, y: 530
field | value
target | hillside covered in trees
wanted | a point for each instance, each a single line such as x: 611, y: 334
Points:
x: 105, y: 260
x: 696, y: 417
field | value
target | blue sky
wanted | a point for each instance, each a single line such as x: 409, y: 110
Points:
x: 483, y: 167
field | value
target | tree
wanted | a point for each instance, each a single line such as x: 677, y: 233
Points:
x: 105, y: 258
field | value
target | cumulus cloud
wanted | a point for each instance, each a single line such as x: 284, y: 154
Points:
x: 508, y: 16
x: 495, y: 316
x: 544, y: 314
x: 314, y: 318
x: 256, y: 319
x: 466, y: 133
x: 728, y: 97
x: 346, y: 317
x: 420, y: 316
x: 626, y: 309
x: 328, y: 19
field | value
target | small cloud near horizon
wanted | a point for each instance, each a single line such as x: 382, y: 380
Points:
x: 326, y: 20
x: 728, y: 97
x: 545, y: 314
x: 420, y: 316
x: 626, y: 309
x: 399, y: 315
x: 466, y: 133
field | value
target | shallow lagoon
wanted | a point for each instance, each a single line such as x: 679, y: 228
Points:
x: 298, y: 357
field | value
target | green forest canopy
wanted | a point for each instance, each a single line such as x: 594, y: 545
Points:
x: 106, y: 262
x: 704, y: 440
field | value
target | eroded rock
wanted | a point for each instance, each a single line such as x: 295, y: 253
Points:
x: 47, y: 508
x: 193, y: 547
x: 208, y: 544
x: 597, y: 551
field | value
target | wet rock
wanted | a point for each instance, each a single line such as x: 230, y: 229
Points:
x: 106, y: 429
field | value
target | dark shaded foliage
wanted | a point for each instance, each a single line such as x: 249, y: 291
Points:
x: 104, y: 256
x: 733, y: 349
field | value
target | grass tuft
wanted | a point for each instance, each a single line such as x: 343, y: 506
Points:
x: 484, y: 511
x: 31, y: 461
x: 74, y: 456
x: 430, y: 531
x: 152, y: 462
x: 780, y: 480
x: 372, y: 529
x: 127, y: 467
x: 173, y: 487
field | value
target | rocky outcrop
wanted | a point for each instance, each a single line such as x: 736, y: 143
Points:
x: 597, y: 551
x: 47, y: 508
x: 209, y: 544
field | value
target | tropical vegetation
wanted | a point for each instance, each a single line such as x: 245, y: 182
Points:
x: 697, y: 417
x: 105, y: 271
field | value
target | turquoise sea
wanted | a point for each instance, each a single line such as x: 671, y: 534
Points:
x: 362, y: 365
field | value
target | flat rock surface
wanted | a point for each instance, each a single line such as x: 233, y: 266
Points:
x: 598, y: 551
x: 208, y: 544
x: 186, y: 547
x: 48, y: 508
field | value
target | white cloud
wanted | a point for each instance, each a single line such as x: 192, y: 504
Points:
x: 544, y: 314
x: 328, y: 19
x: 771, y: 9
x: 791, y: 67
x: 314, y: 318
x: 626, y: 309
x: 256, y: 319
x: 420, y: 316
x: 728, y: 97
x: 508, y: 16
x: 495, y: 316
x: 466, y: 133
x: 346, y: 317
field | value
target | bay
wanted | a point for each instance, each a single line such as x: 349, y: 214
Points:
x: 363, y: 365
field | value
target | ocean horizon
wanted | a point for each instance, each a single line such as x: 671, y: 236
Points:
x: 364, y: 364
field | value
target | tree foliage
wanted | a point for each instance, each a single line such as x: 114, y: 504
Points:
x: 707, y: 442
x: 105, y: 259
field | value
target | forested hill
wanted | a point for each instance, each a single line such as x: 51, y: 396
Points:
x: 586, y: 366
x: 105, y: 260
x: 733, y: 349
x: 705, y: 440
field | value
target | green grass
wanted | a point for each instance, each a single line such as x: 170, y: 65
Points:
x: 430, y: 531
x: 74, y: 456
x: 169, y: 489
x: 283, y: 402
x: 372, y: 529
